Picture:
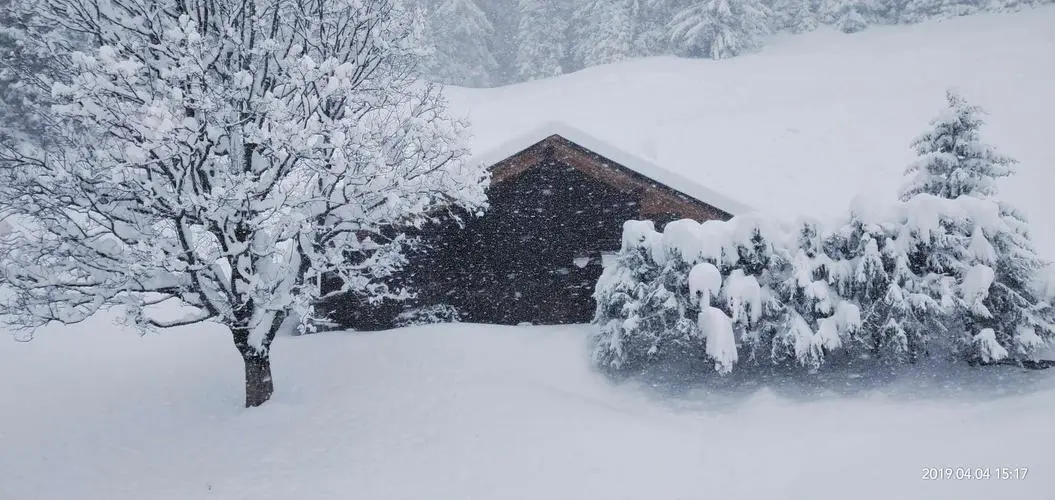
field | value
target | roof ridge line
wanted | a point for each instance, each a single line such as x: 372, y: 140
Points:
x: 617, y: 155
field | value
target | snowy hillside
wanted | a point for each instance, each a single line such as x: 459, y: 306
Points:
x: 482, y: 412
x: 814, y: 119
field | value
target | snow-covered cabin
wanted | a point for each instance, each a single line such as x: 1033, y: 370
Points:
x: 558, y: 200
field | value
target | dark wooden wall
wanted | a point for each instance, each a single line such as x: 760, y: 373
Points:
x: 516, y: 263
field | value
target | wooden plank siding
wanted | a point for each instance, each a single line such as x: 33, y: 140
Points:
x: 657, y: 199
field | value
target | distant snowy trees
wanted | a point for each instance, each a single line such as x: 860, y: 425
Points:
x: 541, y: 44
x: 949, y: 270
x: 849, y: 16
x: 604, y: 31
x: 462, y: 36
x: 794, y: 16
x: 218, y: 160
x: 720, y: 28
x: 21, y: 97
x: 495, y: 42
x: 914, y: 11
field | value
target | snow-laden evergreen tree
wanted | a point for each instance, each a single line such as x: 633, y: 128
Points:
x: 676, y: 254
x: 628, y: 311
x: 849, y: 16
x: 1002, y: 313
x: 952, y: 159
x: 753, y: 261
x: 715, y: 303
x: 999, y: 293
x: 462, y: 36
x: 650, y: 305
x: 603, y: 31
x: 795, y: 16
x: 652, y: 26
x: 851, y: 19
x: 817, y: 319
x: 915, y: 11
x: 900, y: 310
x: 13, y: 104
x: 541, y: 39
x: 22, y: 98
x: 1013, y: 5
x: 224, y: 156
x: 703, y: 292
x: 720, y: 28
x: 998, y: 309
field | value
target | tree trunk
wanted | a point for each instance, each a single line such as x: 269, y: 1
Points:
x: 258, y: 384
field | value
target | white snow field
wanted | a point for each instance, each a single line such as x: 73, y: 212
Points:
x: 94, y: 412
x: 482, y: 412
x: 812, y: 120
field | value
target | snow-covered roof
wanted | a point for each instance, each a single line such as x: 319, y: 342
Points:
x: 616, y: 155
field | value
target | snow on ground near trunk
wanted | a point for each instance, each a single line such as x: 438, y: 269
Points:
x: 812, y: 120
x: 481, y: 412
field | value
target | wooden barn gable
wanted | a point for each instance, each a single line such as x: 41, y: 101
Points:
x: 663, y: 194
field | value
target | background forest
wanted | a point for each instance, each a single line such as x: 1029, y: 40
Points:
x: 485, y: 43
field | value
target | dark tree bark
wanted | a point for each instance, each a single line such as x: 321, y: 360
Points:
x: 258, y: 384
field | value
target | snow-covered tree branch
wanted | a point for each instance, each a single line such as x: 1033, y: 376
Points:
x: 226, y: 155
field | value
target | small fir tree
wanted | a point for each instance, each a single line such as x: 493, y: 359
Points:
x: 627, y: 330
x: 1000, y: 312
x: 953, y: 161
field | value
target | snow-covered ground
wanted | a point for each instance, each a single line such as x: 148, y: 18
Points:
x: 480, y: 412
x: 468, y: 411
x: 812, y: 120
